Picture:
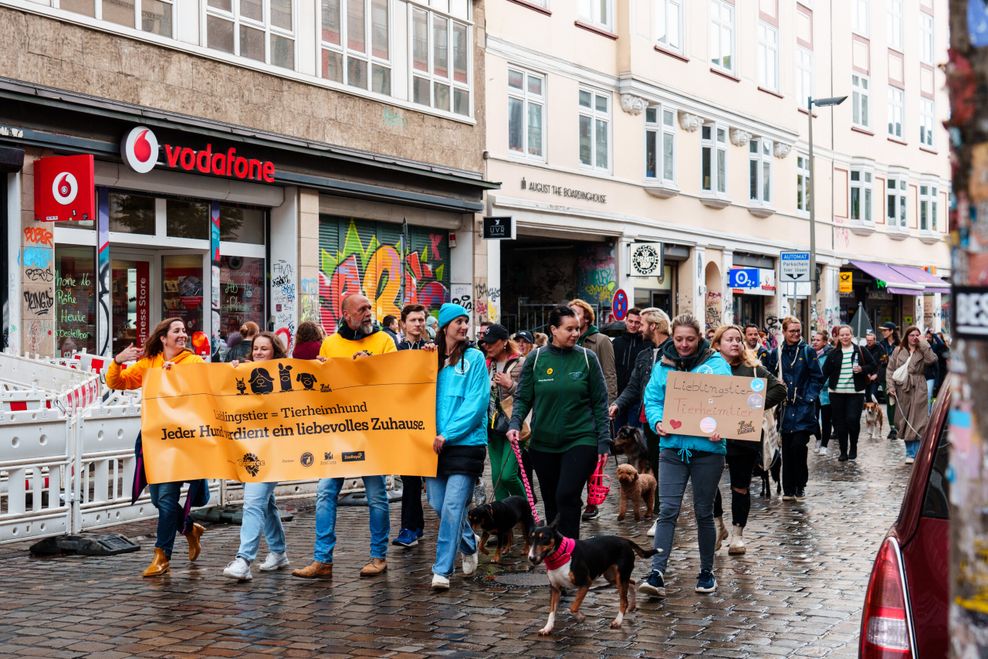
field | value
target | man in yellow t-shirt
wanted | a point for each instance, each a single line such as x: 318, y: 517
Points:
x: 356, y: 337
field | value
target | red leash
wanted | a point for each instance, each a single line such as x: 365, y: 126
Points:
x: 524, y: 479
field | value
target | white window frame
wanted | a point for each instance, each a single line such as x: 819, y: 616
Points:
x: 861, y: 17
x: 713, y: 138
x: 896, y: 112
x: 760, y: 171
x: 893, y: 20
x: 264, y: 25
x: 669, y: 18
x: 435, y: 79
x: 660, y: 126
x: 803, y: 184
x: 862, y: 181
x: 896, y: 208
x: 594, y: 13
x: 804, y: 75
x: 928, y: 210
x: 927, y: 122
x: 768, y: 56
x: 528, y: 99
x: 722, y: 25
x: 138, y: 16
x: 861, y: 103
x: 346, y: 53
x: 596, y: 117
x: 927, y: 38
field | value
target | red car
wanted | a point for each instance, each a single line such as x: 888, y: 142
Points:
x: 905, y: 608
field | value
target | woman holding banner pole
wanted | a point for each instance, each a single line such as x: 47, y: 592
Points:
x: 462, y: 393
x: 165, y: 348
x: 260, y: 509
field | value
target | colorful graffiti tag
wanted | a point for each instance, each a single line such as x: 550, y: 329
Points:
x: 598, y: 274
x: 388, y: 278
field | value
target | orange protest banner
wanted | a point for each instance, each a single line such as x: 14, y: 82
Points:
x: 291, y: 419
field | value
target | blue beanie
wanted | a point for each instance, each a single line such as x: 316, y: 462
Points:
x: 450, y: 312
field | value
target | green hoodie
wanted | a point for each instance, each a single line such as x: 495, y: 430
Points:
x: 566, y: 392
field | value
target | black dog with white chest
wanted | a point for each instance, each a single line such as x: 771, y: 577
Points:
x: 577, y: 563
x: 499, y: 519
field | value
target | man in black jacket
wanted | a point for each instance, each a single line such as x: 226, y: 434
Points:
x: 626, y: 349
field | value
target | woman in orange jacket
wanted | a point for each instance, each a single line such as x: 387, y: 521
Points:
x: 163, y: 349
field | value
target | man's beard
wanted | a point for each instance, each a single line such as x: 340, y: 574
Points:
x: 367, y: 327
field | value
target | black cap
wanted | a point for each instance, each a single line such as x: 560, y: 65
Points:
x: 494, y: 333
x: 525, y: 335
x: 890, y: 326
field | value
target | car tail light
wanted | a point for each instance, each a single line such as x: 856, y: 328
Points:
x: 884, y: 627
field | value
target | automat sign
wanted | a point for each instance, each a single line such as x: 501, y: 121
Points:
x: 141, y: 151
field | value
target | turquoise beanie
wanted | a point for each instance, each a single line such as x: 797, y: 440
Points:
x: 450, y: 312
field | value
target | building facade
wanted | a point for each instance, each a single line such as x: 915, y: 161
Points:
x: 622, y: 130
x: 252, y: 161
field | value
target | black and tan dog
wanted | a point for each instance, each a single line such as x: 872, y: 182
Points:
x: 499, y: 519
x: 629, y: 442
x: 576, y: 563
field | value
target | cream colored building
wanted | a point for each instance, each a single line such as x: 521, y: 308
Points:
x: 683, y: 122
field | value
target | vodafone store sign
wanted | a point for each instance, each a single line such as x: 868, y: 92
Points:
x: 64, y: 189
x: 142, y: 152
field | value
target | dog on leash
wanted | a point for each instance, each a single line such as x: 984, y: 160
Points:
x: 630, y: 443
x: 499, y: 518
x: 637, y: 488
x: 577, y: 563
x: 874, y: 420
x: 774, y: 471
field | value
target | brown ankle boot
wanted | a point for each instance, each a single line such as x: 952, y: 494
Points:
x: 374, y: 568
x: 315, y: 570
x: 159, y: 564
x: 195, y: 547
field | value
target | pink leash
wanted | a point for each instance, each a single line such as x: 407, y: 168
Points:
x: 524, y: 479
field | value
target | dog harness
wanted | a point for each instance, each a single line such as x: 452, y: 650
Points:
x: 562, y: 555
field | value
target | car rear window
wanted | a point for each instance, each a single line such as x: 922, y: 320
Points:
x: 936, y: 502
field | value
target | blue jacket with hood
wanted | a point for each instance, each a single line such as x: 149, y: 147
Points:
x: 462, y: 396
x: 708, y: 361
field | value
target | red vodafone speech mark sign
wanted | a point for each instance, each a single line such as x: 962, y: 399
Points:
x: 64, y: 189
x: 140, y: 150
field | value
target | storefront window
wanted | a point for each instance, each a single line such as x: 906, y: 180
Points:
x: 241, y: 292
x: 188, y: 219
x: 131, y: 213
x: 242, y: 225
x: 75, y: 299
x: 182, y: 289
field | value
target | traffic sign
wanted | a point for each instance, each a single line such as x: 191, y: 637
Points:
x: 794, y: 266
x: 743, y: 278
x: 619, y: 305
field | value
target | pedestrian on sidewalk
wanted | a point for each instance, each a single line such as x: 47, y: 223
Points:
x: 847, y: 371
x: 240, y: 350
x: 356, y: 338
x: 684, y: 458
x: 505, y: 364
x: 525, y: 342
x: 752, y: 339
x: 741, y: 455
x: 412, y: 517
x: 799, y: 369
x: 890, y: 341
x: 563, y: 385
x: 462, y: 394
x: 626, y: 350
x: 600, y: 345
x: 909, y: 392
x: 260, y: 511
x: 821, y: 345
x: 166, y: 347
x: 308, y: 340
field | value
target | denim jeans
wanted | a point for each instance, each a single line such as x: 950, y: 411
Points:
x: 260, y: 514
x: 449, y: 496
x: 705, y: 470
x: 327, y: 493
x: 171, y: 514
x: 912, y: 448
x: 930, y: 385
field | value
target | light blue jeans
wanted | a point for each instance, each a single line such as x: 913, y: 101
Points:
x: 912, y: 448
x: 327, y: 493
x: 449, y: 496
x: 929, y: 395
x: 260, y: 514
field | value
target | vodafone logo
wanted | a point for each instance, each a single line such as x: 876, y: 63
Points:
x: 140, y: 149
x: 64, y: 188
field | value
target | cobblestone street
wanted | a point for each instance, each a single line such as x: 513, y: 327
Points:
x: 797, y: 592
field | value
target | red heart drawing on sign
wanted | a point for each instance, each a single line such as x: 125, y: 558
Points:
x: 676, y: 425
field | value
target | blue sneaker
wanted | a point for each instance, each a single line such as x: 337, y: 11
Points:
x: 705, y: 582
x: 653, y: 585
x: 420, y: 533
x: 406, y: 538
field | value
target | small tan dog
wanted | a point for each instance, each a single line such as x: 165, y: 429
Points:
x: 874, y: 420
x: 639, y: 488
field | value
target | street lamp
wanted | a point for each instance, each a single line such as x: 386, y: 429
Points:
x: 820, y: 103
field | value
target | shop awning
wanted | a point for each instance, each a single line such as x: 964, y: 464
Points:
x: 895, y: 282
x: 931, y: 283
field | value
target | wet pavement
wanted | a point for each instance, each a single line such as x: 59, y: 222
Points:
x: 797, y: 592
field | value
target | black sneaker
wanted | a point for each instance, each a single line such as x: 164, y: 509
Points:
x: 842, y: 458
x: 653, y: 585
x: 705, y: 582
x: 893, y: 434
x: 800, y: 494
x: 590, y: 512
x: 853, y: 455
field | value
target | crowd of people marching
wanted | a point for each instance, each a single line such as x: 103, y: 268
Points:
x: 546, y: 407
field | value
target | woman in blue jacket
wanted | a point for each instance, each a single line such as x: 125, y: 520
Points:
x: 462, y: 392
x: 684, y: 457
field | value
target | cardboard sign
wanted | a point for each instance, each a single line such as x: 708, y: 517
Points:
x: 701, y: 404
x: 291, y: 419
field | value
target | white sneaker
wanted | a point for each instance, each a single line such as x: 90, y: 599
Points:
x: 822, y: 451
x: 651, y: 529
x: 470, y: 564
x: 274, y: 561
x: 909, y: 461
x: 238, y: 569
x: 439, y: 582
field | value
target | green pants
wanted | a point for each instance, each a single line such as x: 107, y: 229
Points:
x: 504, y: 467
x: 890, y: 408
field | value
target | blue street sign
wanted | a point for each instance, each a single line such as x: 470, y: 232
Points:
x: 743, y: 278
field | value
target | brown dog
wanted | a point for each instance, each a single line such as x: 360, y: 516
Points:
x: 639, y: 488
x: 874, y: 420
